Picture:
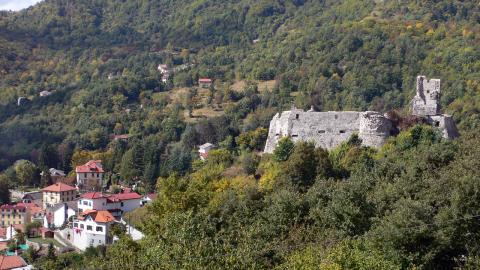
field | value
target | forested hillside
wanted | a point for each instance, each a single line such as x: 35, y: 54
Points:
x: 412, y: 203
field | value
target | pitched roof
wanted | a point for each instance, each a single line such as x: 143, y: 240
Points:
x: 70, y: 204
x: 206, y: 145
x: 205, y: 80
x: 124, y: 196
x: 152, y: 196
x: 13, y: 207
x: 92, y: 195
x: 33, y: 207
x: 91, y: 166
x: 34, y: 195
x: 10, y: 262
x: 102, y: 216
x: 59, y: 187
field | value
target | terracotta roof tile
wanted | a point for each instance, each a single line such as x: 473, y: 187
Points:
x: 59, y: 187
x: 92, y: 195
x: 124, y: 196
x: 102, y: 216
x: 10, y: 262
x: 91, y: 166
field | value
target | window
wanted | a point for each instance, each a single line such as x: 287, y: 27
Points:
x: 98, y: 175
x: 321, y: 131
x: 336, y: 116
x: 297, y: 116
x: 437, y: 123
x: 75, y: 225
x: 85, y: 175
x: 85, y: 203
x: 99, y: 229
x: 342, y: 131
x: 121, y: 204
x: 89, y: 227
x: 93, y: 174
x: 294, y: 135
x: 82, y: 226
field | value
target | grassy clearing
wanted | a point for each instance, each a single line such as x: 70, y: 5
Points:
x: 46, y: 241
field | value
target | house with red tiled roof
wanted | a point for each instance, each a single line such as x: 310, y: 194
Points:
x: 90, y: 175
x: 58, y: 193
x: 117, y: 204
x: 91, y: 229
x: 36, y: 211
x: 13, y: 263
x: 59, y: 215
x: 205, y: 82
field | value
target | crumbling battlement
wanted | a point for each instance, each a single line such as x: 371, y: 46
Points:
x: 330, y: 129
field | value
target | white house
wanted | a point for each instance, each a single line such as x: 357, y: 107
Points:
x: 45, y: 93
x: 91, y: 229
x: 149, y: 198
x: 163, y: 68
x: 204, y: 149
x: 58, y: 215
x: 90, y: 175
x: 117, y: 204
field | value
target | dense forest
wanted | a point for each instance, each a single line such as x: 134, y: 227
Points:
x: 411, y: 204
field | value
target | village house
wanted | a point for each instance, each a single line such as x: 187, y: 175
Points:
x: 149, y: 198
x: 12, y: 214
x: 9, y: 232
x: 55, y: 174
x: 59, y: 214
x: 35, y: 197
x: 91, y: 229
x: 45, y: 93
x: 36, y: 211
x: 204, y: 149
x: 205, y: 82
x: 90, y: 175
x: 117, y: 204
x: 121, y: 137
x: 13, y: 263
x: 163, y: 68
x: 58, y: 193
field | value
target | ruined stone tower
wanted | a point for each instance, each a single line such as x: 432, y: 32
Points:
x: 426, y: 104
x: 427, y: 100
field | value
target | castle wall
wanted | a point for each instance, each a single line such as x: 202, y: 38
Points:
x: 374, y: 129
x: 445, y: 124
x: 330, y: 129
x: 327, y: 129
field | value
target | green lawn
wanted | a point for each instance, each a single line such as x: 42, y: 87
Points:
x: 47, y: 241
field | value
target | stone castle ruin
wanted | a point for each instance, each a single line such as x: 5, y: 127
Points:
x: 330, y: 129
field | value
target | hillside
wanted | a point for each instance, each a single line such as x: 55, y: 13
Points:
x: 99, y: 58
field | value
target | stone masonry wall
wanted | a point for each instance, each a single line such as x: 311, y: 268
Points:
x: 327, y: 129
x: 330, y: 129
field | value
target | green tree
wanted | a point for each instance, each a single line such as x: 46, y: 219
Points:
x: 4, y: 189
x: 48, y: 157
x: 284, y: 149
x: 302, y: 164
x: 51, y: 255
x: 27, y: 172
